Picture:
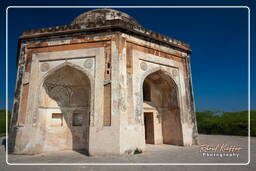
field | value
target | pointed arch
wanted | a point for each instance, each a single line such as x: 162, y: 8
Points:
x: 66, y: 98
x: 163, y: 109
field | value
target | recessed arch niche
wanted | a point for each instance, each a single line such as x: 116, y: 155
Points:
x: 161, y: 109
x: 65, y: 103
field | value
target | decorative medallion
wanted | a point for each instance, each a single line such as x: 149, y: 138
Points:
x: 174, y: 73
x: 44, y: 67
x: 143, y: 66
x: 88, y: 63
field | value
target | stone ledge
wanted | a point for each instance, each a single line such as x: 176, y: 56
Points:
x: 106, y: 26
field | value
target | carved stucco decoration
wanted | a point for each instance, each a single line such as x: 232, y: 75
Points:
x: 60, y: 93
x: 143, y: 66
x: 88, y: 63
x: 68, y: 87
x: 44, y: 67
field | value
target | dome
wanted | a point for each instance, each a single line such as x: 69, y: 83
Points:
x: 103, y: 15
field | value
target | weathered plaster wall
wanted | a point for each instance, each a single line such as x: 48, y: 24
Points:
x: 65, y: 94
x: 142, y: 59
x: 116, y: 122
x: 89, y: 61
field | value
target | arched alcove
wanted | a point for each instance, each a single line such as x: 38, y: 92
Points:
x: 161, y: 109
x: 65, y: 100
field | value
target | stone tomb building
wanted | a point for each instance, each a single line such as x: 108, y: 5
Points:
x: 102, y: 84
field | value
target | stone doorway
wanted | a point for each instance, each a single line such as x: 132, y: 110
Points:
x: 65, y: 102
x: 161, y: 110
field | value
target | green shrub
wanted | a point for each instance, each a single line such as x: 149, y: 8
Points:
x: 137, y: 151
x: 227, y: 123
x: 3, y: 121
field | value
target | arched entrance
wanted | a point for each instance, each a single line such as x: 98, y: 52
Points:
x: 161, y: 110
x: 65, y: 100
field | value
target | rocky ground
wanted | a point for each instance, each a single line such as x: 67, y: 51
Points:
x: 155, y: 154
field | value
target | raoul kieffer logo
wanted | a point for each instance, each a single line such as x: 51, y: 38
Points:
x: 220, y: 150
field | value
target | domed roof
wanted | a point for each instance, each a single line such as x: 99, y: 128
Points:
x: 103, y: 15
x: 106, y: 21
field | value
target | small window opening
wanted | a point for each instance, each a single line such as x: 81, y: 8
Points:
x: 57, y: 120
x: 77, y: 119
x: 146, y: 92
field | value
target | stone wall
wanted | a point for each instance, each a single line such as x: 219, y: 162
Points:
x: 106, y: 73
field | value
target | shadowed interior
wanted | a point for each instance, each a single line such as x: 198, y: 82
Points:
x: 160, y: 97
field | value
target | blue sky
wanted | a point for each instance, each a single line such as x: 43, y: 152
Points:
x: 218, y: 38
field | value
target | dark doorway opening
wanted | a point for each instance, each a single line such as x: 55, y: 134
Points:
x: 149, y: 127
